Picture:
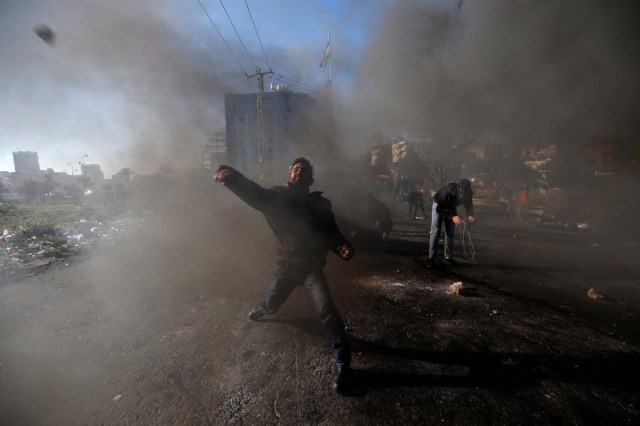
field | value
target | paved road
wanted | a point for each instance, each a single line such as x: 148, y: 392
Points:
x: 155, y: 331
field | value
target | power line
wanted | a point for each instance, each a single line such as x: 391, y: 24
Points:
x: 299, y: 83
x: 225, y: 41
x: 278, y: 76
x: 254, y: 27
x: 241, y: 42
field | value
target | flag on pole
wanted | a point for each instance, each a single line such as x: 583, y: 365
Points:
x: 326, y: 56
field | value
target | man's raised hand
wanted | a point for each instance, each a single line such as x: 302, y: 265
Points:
x: 221, y: 175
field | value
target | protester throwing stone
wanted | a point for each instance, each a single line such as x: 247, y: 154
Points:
x: 305, y: 228
x: 444, y: 210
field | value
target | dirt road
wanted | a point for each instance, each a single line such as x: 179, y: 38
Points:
x: 155, y: 331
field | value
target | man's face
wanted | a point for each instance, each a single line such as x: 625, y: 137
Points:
x: 301, y: 174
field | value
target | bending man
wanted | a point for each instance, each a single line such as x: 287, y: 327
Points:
x: 444, y: 210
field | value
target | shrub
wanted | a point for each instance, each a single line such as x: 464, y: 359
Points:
x: 38, y: 229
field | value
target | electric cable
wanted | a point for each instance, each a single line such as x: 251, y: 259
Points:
x: 469, y: 253
x: 258, y: 35
x: 225, y: 41
x: 295, y: 82
x: 241, y: 42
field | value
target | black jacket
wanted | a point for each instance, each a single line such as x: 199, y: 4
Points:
x: 415, y: 198
x: 378, y: 212
x: 303, y: 223
x: 448, y: 199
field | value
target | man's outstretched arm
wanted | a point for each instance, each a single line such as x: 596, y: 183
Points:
x: 339, y: 245
x: 247, y: 190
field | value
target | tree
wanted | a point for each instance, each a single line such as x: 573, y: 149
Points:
x: 3, y: 189
x: 413, y: 167
x: 49, y: 183
x: 84, y: 182
x: 124, y: 174
x: 74, y: 191
x: 31, y: 190
x: 566, y: 168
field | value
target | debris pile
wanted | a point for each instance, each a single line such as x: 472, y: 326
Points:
x: 456, y: 288
x: 594, y: 294
x: 36, y: 245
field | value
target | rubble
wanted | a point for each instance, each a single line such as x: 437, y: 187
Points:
x: 22, y: 250
x: 594, y: 294
x: 456, y: 288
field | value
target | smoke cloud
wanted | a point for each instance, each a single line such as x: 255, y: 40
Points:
x: 526, y: 72
x: 128, y: 73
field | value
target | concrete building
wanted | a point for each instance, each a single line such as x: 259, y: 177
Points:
x: 95, y: 175
x: 214, y: 152
x: 399, y: 150
x: 26, y: 161
x: 283, y: 110
x: 382, y: 155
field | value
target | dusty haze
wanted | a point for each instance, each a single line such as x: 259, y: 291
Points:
x: 526, y: 72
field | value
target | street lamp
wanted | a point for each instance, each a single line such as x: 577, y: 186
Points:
x: 82, y: 164
x: 72, y: 169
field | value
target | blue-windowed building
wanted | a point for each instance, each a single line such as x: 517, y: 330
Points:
x: 284, y: 116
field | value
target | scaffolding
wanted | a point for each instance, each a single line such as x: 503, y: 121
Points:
x: 214, y: 152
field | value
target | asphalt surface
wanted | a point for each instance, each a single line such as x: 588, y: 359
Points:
x: 155, y: 331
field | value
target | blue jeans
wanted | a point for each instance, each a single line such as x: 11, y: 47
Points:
x: 285, y: 278
x: 449, y: 230
x: 413, y: 210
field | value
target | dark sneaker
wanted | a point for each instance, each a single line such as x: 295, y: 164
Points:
x: 341, y: 383
x: 256, y: 313
x: 450, y: 261
x: 431, y: 263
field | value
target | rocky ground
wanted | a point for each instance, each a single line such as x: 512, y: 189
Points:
x: 32, y: 245
x: 154, y: 330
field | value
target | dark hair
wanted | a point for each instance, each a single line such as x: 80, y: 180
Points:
x: 301, y: 160
x: 464, y: 184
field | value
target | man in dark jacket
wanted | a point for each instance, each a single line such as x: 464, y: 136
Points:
x: 415, y: 200
x: 444, y: 210
x: 305, y: 228
x: 379, y: 217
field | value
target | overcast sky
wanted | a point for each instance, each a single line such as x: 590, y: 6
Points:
x: 140, y: 84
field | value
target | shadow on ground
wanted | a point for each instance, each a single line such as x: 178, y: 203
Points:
x: 507, y: 372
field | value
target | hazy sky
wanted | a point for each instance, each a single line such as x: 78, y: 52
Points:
x: 125, y: 81
x: 140, y: 84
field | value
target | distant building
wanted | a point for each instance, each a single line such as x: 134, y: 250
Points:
x: 488, y: 151
x: 399, y: 150
x: 214, y: 152
x: 539, y: 158
x: 93, y: 172
x: 26, y: 161
x: 282, y: 111
x: 381, y: 155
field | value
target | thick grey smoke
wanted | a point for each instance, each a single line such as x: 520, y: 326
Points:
x: 528, y: 72
x: 131, y: 73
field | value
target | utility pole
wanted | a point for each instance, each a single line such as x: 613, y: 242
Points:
x: 82, y: 164
x: 259, y: 77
